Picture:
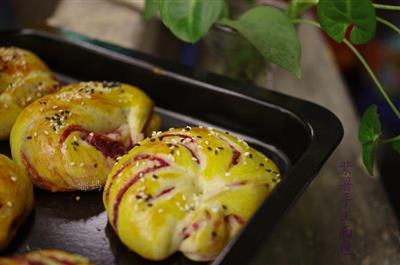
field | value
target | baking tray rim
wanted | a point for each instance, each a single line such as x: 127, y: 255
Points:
x: 320, y: 122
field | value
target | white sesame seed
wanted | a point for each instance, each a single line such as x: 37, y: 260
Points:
x: 91, y: 134
x: 54, y: 107
x: 160, y: 210
x: 77, y: 198
x: 81, y: 164
x: 194, y: 159
x: 227, y: 174
x: 13, y: 178
x: 207, y: 142
x: 35, y: 134
x: 9, y: 204
x: 46, y: 132
x: 72, y: 163
x: 6, y: 106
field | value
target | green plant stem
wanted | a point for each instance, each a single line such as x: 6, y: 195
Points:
x: 387, y: 7
x: 388, y: 24
x: 390, y: 140
x: 374, y: 78
x: 363, y: 61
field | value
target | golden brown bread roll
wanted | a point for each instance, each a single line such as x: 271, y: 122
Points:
x: 23, y: 79
x: 46, y: 257
x: 69, y: 140
x: 16, y: 199
x: 188, y: 190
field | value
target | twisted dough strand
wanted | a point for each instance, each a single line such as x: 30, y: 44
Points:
x: 16, y: 199
x: 69, y: 140
x: 186, y: 189
x: 46, y: 257
x: 23, y: 79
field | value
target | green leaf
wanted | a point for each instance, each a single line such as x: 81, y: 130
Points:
x: 190, y: 20
x: 369, y: 135
x: 370, y: 128
x: 273, y: 34
x: 150, y: 9
x: 297, y: 7
x: 336, y: 16
x: 224, y: 11
x: 368, y: 155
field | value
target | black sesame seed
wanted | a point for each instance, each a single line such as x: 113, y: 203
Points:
x: 224, y: 207
x: 251, y: 155
x: 209, y: 148
x: 261, y: 164
x: 198, y: 136
x: 150, y: 205
x: 152, y: 140
x: 155, y: 177
x: 268, y: 170
x: 216, y: 152
x: 187, y: 129
x: 95, y: 165
x: 29, y: 137
x: 138, y: 197
x: 214, y: 234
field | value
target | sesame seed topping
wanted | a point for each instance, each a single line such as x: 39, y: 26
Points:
x: 77, y: 198
x: 9, y: 204
x: 13, y: 178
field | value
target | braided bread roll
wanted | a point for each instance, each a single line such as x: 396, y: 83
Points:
x: 188, y: 190
x: 46, y: 257
x: 16, y: 199
x: 69, y: 140
x: 23, y: 79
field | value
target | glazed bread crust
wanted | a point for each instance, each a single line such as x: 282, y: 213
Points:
x: 46, y: 257
x: 69, y: 140
x: 23, y: 79
x: 188, y: 190
x: 16, y: 199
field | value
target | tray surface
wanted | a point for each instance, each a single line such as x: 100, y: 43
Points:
x: 298, y: 135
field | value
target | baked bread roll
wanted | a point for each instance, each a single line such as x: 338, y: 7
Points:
x: 23, y: 79
x: 188, y: 190
x: 16, y: 199
x: 69, y: 140
x: 46, y: 257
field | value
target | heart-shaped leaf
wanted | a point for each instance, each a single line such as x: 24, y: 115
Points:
x: 336, y: 16
x: 150, y: 9
x: 273, y: 34
x: 190, y: 20
x: 369, y: 134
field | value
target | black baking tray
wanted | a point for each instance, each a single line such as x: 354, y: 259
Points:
x: 297, y: 134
